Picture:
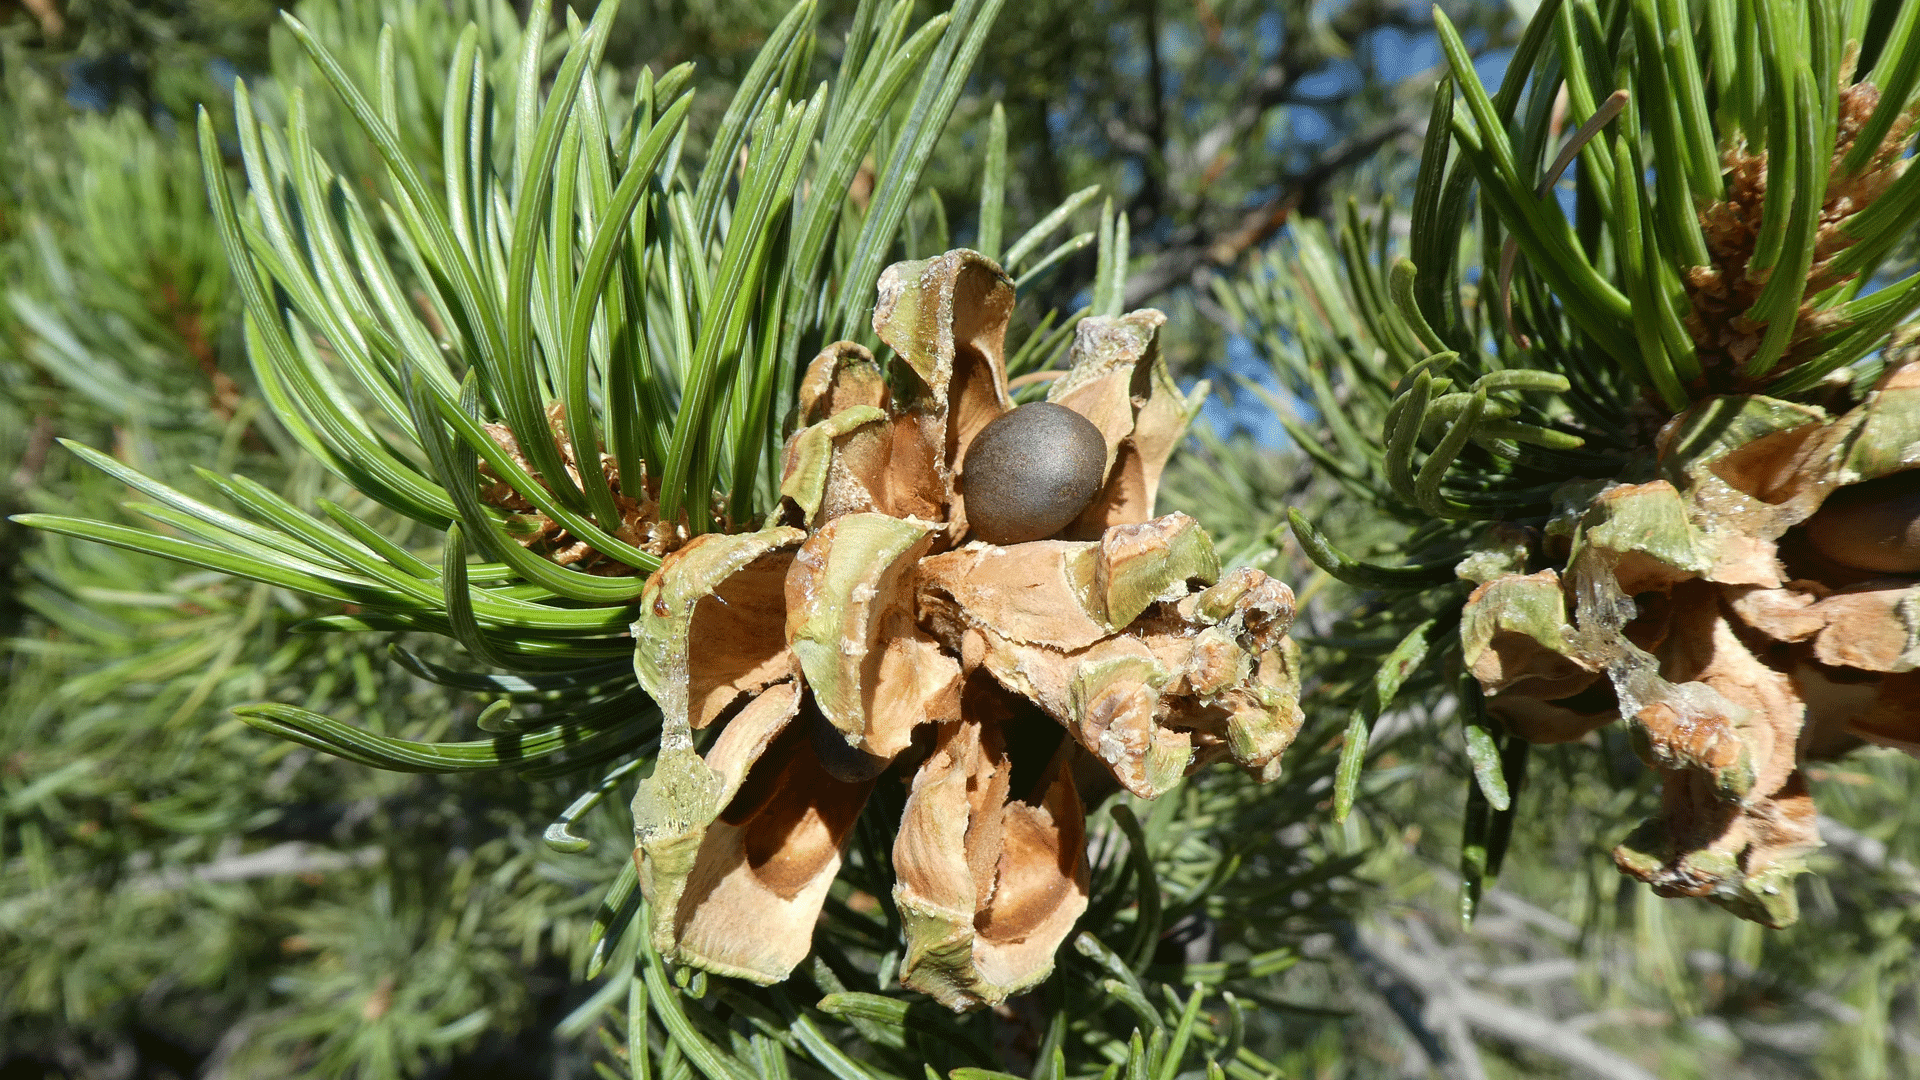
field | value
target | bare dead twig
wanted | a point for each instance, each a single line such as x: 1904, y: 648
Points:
x: 34, y: 457
x: 280, y: 860
x: 1193, y: 250
x: 1441, y: 989
x: 1870, y: 853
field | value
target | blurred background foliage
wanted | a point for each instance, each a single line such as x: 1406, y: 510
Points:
x: 182, y: 895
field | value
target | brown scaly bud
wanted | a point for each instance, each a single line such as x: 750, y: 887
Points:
x: 1755, y: 607
x: 875, y: 638
x: 1722, y: 293
x: 634, y: 497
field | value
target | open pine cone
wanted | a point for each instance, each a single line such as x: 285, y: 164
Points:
x: 1755, y: 606
x: 873, y: 639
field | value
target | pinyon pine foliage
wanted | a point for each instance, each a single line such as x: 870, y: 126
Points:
x: 540, y: 336
x: 1652, y: 432
x: 569, y: 471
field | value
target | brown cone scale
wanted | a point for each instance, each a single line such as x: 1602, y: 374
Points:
x: 1872, y: 526
x: 1750, y: 611
x: 875, y: 643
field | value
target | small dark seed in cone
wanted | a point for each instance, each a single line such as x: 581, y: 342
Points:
x: 1029, y: 473
x: 1872, y: 526
x: 843, y: 761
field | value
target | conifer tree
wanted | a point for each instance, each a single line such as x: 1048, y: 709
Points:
x: 463, y: 261
x: 519, y: 431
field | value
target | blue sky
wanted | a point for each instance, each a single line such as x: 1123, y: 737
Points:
x: 1393, y: 54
